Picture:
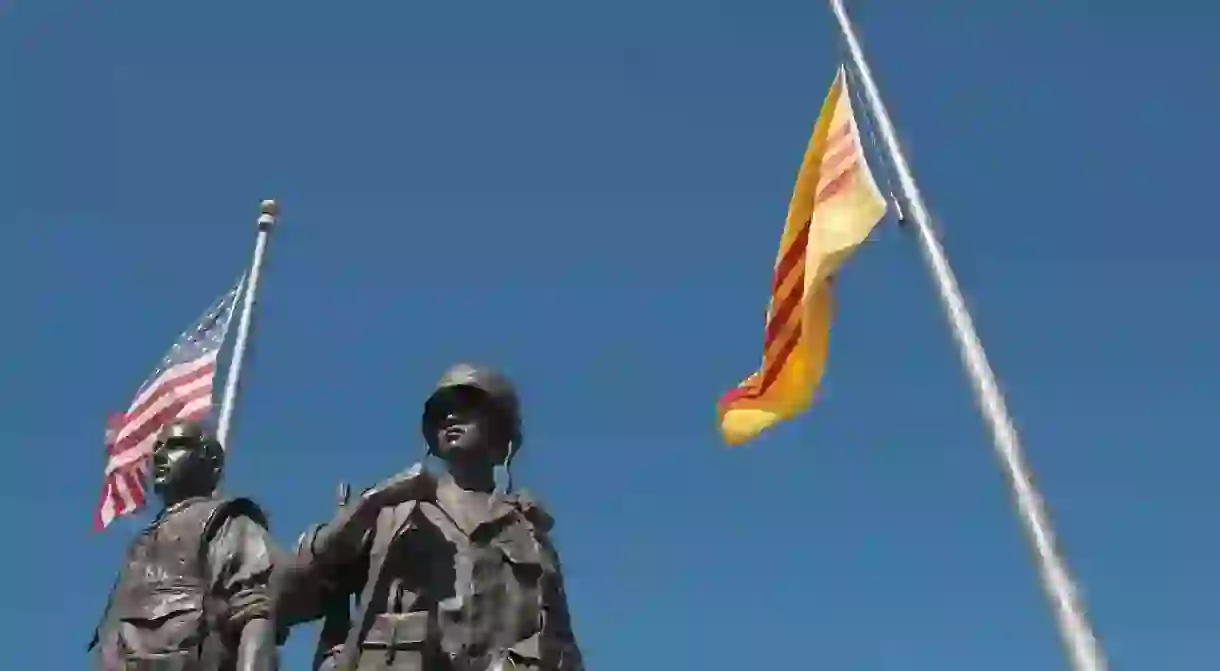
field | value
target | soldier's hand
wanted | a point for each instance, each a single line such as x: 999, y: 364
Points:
x: 412, y: 484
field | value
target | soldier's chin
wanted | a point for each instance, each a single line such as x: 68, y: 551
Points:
x: 461, y: 446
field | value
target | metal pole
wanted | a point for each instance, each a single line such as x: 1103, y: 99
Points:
x: 266, y: 222
x: 1073, y: 623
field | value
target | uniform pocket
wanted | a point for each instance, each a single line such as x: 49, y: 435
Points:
x: 395, y: 641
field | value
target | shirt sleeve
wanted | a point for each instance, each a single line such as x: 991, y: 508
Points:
x: 309, y: 587
x: 558, y: 619
x: 242, y: 558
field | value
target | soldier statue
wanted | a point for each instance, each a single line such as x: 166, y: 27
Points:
x: 194, y: 593
x: 449, y: 573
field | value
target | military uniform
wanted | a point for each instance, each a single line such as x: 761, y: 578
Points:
x: 456, y: 581
x: 432, y: 596
x: 189, y: 584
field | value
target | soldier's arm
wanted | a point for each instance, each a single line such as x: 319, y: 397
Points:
x: 242, y: 558
x: 320, y: 575
x: 309, y: 588
x: 346, y: 538
x: 558, y: 624
x: 558, y: 619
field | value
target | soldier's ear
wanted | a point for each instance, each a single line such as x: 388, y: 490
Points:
x: 215, y: 456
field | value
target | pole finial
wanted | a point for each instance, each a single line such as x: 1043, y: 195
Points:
x: 269, y: 214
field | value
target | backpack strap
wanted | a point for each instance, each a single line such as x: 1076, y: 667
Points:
x: 213, y: 648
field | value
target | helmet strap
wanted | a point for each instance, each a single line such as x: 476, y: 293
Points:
x: 508, y: 467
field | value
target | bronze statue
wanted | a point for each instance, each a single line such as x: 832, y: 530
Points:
x: 194, y: 593
x: 449, y: 573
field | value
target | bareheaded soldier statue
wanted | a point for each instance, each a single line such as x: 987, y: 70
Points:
x: 194, y: 592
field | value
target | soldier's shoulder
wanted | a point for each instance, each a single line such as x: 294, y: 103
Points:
x: 533, y: 510
x: 236, y: 507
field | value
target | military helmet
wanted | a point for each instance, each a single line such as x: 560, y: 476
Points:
x: 492, y: 384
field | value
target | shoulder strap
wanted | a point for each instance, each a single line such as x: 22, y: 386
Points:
x: 223, y: 512
x: 533, y: 511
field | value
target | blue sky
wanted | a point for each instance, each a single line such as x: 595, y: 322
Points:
x: 590, y: 196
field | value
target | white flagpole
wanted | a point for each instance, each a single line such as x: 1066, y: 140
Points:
x: 1073, y: 623
x: 266, y: 222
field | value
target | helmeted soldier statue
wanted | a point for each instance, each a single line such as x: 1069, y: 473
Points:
x: 449, y: 573
x: 194, y: 593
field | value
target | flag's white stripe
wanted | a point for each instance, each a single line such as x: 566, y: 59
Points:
x: 106, y: 514
x: 120, y: 485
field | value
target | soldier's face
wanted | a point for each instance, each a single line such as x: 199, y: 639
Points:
x: 465, y: 428
x: 172, y: 464
x: 462, y: 431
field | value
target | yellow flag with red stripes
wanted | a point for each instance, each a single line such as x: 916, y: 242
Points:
x: 835, y: 205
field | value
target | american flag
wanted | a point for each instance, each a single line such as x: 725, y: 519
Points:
x: 179, y: 388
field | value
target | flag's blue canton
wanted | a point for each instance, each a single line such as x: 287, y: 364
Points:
x: 207, y: 335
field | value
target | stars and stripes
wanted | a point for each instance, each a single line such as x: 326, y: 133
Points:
x: 179, y: 388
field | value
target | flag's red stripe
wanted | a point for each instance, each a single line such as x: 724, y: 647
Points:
x: 774, y: 360
x: 779, y: 317
x: 792, y: 263
x: 165, y: 385
x: 836, y: 141
x: 782, y: 314
x: 135, y: 486
x: 842, y: 140
x: 792, y: 257
x: 791, y: 301
x: 770, y: 375
x: 836, y: 186
x: 839, y: 148
x: 150, y: 424
x: 116, y: 497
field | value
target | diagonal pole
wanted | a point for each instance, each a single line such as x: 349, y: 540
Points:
x: 268, y: 217
x: 1073, y: 624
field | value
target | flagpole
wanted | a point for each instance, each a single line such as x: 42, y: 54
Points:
x: 268, y: 217
x: 1073, y: 623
